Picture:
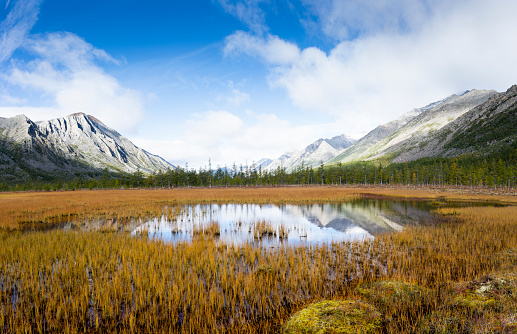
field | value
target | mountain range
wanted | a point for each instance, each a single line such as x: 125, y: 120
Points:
x: 392, y: 141
x: 489, y: 127
x: 316, y: 153
x: 78, y: 143
x: 476, y: 121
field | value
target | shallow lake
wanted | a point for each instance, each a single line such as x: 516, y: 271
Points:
x: 290, y: 224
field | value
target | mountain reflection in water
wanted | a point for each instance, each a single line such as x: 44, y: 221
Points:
x: 302, y: 224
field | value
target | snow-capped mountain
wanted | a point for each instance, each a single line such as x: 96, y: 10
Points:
x: 314, y: 154
x: 76, y: 140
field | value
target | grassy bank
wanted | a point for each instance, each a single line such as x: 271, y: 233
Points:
x: 456, y: 277
x: 18, y: 210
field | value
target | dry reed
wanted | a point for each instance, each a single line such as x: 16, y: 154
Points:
x: 422, y: 279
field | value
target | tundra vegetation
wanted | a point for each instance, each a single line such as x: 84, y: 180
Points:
x: 457, y: 276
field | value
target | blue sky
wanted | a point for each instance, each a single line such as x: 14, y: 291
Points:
x: 237, y: 81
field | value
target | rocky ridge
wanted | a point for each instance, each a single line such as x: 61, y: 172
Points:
x: 389, y: 141
x: 77, y: 141
x: 485, y: 128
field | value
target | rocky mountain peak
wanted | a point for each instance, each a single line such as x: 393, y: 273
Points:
x: 81, y: 114
x: 313, y: 154
x: 18, y: 128
x: 21, y: 117
x: 77, y: 114
x: 83, y: 138
x: 340, y: 142
x: 512, y: 90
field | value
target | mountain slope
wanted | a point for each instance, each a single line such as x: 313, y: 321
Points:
x: 26, y: 154
x: 390, y: 140
x: 101, y: 146
x: 262, y: 163
x: 76, y: 143
x: 280, y: 161
x: 314, y: 154
x: 487, y: 128
x: 364, y: 146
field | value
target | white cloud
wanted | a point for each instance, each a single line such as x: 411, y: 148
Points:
x: 348, y: 19
x: 234, y: 98
x: 15, y: 27
x: 248, y: 12
x: 377, y: 77
x: 30, y: 112
x: 269, y: 132
x: 204, y: 136
x: 66, y: 72
x: 271, y: 48
x: 11, y: 100
x: 226, y: 138
x: 67, y: 49
x: 152, y: 97
x: 212, y: 127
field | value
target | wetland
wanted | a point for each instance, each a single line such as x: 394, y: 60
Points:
x: 445, y: 262
x: 292, y: 224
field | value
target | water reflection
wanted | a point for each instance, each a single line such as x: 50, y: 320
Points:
x: 291, y: 224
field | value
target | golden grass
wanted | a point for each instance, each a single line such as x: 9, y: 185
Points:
x: 211, y: 230
x: 18, y: 210
x: 429, y: 279
x: 90, y: 281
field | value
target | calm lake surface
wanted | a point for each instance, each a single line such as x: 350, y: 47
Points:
x: 291, y: 224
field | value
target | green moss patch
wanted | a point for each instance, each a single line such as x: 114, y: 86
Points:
x: 347, y: 316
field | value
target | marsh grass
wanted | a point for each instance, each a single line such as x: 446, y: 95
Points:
x: 433, y: 279
x: 26, y: 210
x: 263, y: 229
x: 89, y: 281
x: 210, y: 230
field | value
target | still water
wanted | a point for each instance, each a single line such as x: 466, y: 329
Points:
x: 290, y: 224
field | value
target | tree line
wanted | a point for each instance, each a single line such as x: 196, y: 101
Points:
x: 495, y: 170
